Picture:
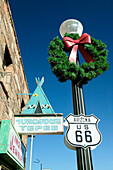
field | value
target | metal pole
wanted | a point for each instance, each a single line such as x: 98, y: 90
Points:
x: 40, y: 165
x: 84, y: 160
x: 31, y: 152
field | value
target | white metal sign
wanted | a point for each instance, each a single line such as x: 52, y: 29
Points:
x: 15, y: 147
x: 39, y: 124
x: 81, y: 131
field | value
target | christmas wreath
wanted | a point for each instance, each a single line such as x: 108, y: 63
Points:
x: 94, y: 52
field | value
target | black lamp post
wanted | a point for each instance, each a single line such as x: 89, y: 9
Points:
x: 84, y: 160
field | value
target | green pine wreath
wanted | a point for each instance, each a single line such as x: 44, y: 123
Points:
x: 81, y: 74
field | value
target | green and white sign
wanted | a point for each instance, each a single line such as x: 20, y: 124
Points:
x: 39, y: 124
x: 11, y: 146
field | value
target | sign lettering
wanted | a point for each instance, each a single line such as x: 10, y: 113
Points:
x: 82, y: 131
x: 15, y: 147
x: 39, y: 124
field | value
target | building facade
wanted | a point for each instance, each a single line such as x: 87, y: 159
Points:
x: 12, y: 76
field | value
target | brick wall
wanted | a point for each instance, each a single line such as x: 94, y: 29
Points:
x: 12, y: 76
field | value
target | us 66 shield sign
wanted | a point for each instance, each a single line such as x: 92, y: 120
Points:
x: 81, y: 131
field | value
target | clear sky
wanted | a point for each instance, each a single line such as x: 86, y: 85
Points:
x: 36, y: 23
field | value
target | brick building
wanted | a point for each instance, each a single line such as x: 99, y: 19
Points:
x: 12, y: 76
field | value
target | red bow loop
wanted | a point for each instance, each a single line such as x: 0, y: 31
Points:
x: 85, y: 39
x: 75, y: 44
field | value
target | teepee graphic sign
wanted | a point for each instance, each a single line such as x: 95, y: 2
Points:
x: 38, y: 116
x: 38, y: 102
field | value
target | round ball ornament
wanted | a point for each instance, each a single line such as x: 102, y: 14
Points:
x: 66, y: 67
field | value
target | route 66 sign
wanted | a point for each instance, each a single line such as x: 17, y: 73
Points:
x: 81, y: 131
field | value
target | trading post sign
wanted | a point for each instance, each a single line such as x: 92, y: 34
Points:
x: 12, y: 150
x: 81, y: 131
x: 15, y: 146
x: 39, y: 124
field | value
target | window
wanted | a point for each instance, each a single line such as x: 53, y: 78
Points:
x: 22, y: 105
x: 7, y: 59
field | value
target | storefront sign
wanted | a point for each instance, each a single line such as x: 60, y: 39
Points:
x: 14, y: 146
x: 11, y: 147
x: 82, y: 131
x: 46, y: 124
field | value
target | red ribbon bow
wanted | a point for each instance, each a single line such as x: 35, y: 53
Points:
x: 77, y: 44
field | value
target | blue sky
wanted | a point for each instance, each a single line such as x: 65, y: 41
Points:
x: 38, y: 22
